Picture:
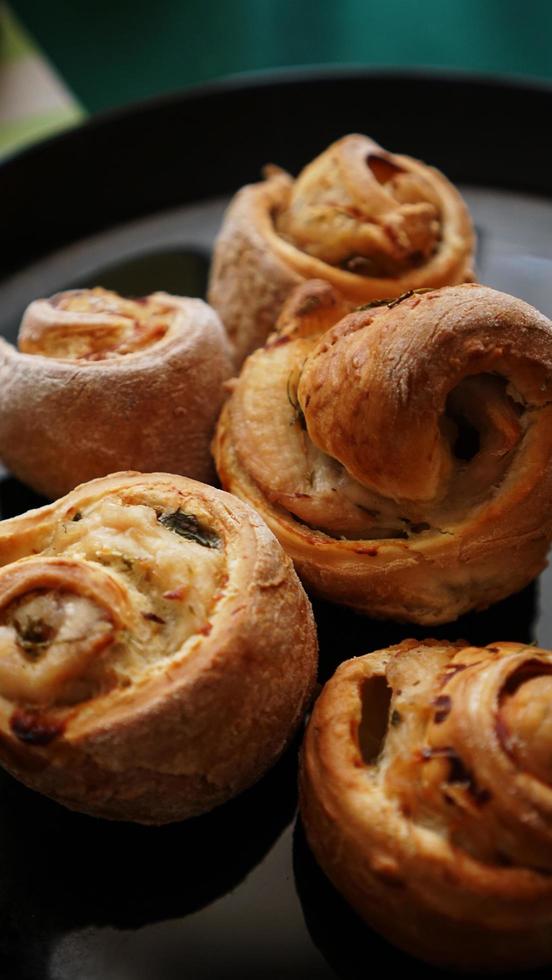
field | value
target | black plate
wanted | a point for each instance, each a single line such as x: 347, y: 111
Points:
x: 132, y: 200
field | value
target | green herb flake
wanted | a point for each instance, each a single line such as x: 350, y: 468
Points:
x: 390, y: 303
x: 188, y: 526
x: 407, y: 295
x: 373, y: 305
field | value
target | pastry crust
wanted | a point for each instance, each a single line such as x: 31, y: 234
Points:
x: 403, y: 457
x: 157, y: 650
x: 101, y: 383
x: 423, y: 800
x: 371, y: 223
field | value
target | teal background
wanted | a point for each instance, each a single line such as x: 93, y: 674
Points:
x: 115, y: 51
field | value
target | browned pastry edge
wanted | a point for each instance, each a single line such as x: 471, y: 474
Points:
x: 63, y: 422
x: 254, y: 269
x: 208, y: 725
x: 422, y: 891
x: 376, y: 577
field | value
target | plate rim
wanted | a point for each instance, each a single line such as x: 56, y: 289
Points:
x: 245, y: 81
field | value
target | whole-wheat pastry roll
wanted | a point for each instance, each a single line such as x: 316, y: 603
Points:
x: 403, y: 456
x: 102, y: 383
x: 426, y: 796
x: 157, y: 650
x: 371, y: 223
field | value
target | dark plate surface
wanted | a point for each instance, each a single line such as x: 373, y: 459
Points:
x: 132, y: 201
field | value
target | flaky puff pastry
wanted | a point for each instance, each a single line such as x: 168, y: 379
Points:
x: 102, y: 383
x: 426, y: 796
x: 157, y: 650
x: 371, y: 223
x: 403, y: 456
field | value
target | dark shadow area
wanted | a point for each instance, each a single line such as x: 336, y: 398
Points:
x: 105, y: 172
x: 343, y: 633
x: 182, y: 272
x: 61, y: 871
x: 16, y: 498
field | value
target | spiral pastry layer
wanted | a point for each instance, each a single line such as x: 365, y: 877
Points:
x: 101, y: 383
x: 156, y: 648
x: 426, y: 795
x: 371, y: 223
x: 403, y: 456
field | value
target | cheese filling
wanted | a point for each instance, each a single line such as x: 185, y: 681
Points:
x: 120, y: 587
x: 104, y: 325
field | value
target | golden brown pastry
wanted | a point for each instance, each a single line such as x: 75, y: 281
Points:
x: 403, y: 457
x: 426, y: 796
x: 371, y: 223
x: 101, y: 383
x: 156, y: 648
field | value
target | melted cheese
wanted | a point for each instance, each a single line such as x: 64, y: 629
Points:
x: 169, y: 586
x: 104, y: 325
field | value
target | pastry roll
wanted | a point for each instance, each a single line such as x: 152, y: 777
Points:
x: 426, y: 796
x: 403, y: 456
x: 156, y: 648
x: 101, y: 383
x: 371, y: 223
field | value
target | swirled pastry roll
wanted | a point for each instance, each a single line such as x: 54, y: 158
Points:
x: 371, y: 223
x: 156, y: 648
x: 403, y: 456
x: 426, y: 796
x: 101, y: 383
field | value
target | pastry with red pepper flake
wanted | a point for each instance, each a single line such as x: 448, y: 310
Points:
x: 371, y: 223
x: 426, y: 797
x: 157, y: 650
x: 102, y: 383
x: 402, y: 452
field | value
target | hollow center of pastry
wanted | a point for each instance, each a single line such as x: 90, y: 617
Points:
x: 363, y: 211
x: 157, y: 560
x: 483, y: 425
x: 48, y: 639
x: 465, y: 442
x: 97, y: 324
x: 526, y: 720
x: 376, y: 700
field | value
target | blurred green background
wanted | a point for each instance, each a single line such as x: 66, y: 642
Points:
x: 116, y: 51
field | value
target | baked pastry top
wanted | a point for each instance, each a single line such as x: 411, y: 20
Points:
x: 102, y: 383
x: 99, y: 324
x: 426, y: 795
x: 365, y: 210
x: 156, y: 648
x: 401, y: 453
x: 372, y: 223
